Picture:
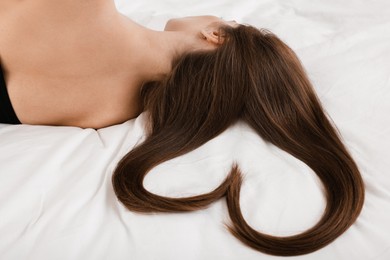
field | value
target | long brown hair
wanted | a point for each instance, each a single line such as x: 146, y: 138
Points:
x: 256, y: 78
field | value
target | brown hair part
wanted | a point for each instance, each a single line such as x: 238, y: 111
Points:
x: 256, y: 78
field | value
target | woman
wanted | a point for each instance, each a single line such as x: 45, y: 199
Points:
x: 194, y: 80
x: 82, y: 63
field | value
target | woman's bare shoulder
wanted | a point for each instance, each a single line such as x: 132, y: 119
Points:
x: 50, y: 24
x: 61, y: 9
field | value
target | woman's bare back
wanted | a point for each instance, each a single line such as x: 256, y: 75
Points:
x: 68, y: 62
x: 82, y: 63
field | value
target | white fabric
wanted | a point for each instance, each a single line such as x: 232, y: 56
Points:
x: 56, y: 198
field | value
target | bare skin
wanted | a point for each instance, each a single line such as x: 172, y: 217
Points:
x: 82, y: 63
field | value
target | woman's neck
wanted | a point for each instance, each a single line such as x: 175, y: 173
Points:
x: 167, y: 46
x: 157, y: 49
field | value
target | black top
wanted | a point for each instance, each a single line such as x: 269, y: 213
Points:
x: 7, y: 113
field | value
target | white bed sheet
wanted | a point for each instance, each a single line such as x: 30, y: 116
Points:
x: 56, y: 198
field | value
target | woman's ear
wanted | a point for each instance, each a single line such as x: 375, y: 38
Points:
x: 212, y: 35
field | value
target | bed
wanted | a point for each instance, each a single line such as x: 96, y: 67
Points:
x: 56, y: 197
